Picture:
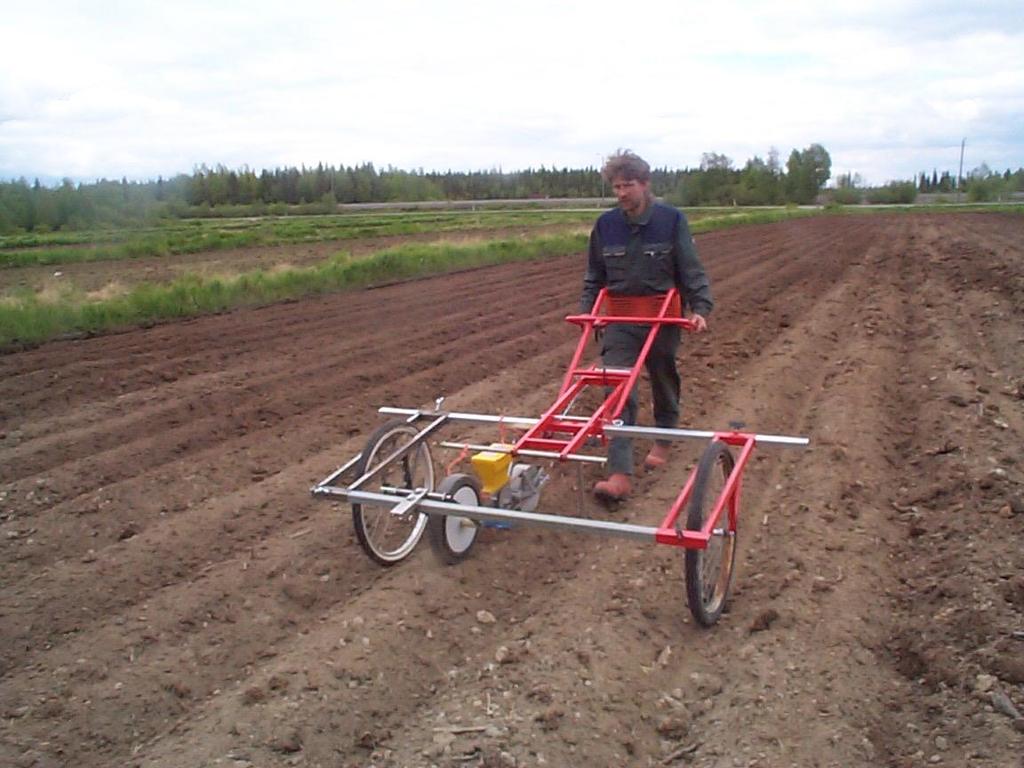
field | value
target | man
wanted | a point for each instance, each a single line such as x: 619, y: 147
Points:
x: 641, y: 248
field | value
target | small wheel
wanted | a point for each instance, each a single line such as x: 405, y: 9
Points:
x: 386, y: 537
x: 709, y: 571
x: 452, y: 536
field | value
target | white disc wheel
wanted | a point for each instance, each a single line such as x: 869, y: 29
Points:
x: 452, y: 536
x: 387, y: 537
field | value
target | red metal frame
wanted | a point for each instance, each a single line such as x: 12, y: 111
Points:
x: 553, y: 432
x: 669, y: 532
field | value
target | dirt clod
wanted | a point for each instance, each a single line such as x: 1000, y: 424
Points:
x: 254, y: 695
x: 550, y: 718
x: 287, y: 742
x: 674, y: 727
x: 764, y: 620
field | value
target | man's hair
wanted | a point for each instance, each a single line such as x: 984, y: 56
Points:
x: 627, y: 165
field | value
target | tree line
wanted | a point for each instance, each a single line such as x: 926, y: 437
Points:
x: 220, y: 190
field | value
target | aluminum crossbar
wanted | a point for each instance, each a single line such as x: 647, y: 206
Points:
x: 473, y: 512
x: 660, y: 433
x: 610, y: 430
x: 439, y: 420
x: 478, y: 418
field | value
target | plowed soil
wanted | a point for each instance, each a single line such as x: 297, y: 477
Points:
x: 172, y: 596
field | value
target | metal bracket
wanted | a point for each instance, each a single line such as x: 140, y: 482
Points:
x: 410, y: 502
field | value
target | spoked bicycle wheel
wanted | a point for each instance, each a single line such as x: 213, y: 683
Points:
x: 709, y: 571
x: 387, y: 537
x: 452, y: 536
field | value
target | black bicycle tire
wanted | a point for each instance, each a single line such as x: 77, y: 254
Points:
x: 716, y: 458
x: 358, y: 517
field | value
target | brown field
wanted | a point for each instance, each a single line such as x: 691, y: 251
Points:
x: 172, y: 596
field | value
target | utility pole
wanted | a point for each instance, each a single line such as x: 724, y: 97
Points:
x: 960, y: 175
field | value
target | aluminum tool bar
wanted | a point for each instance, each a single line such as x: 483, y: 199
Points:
x: 349, y: 464
x: 402, y: 450
x: 610, y: 430
x: 479, y: 418
x: 430, y: 506
x: 341, y: 470
x: 659, y: 433
x: 526, y: 452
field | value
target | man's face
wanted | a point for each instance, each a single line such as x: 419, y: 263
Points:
x: 631, y: 194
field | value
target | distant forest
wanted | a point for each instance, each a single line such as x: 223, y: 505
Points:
x: 221, y: 191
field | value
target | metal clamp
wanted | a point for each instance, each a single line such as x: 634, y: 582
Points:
x: 410, y: 502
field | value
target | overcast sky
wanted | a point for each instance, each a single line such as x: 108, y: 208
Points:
x: 141, y: 89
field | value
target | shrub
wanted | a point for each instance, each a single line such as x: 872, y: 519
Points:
x: 847, y: 196
x: 985, y: 189
x: 893, y: 193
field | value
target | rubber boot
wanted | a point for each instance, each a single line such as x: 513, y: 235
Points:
x: 615, y: 488
x: 657, y: 457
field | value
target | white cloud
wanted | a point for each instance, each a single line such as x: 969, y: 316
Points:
x: 155, y: 88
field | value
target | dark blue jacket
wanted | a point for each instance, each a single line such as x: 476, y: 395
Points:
x: 649, y: 255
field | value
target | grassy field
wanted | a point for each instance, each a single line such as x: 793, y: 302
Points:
x: 31, y: 319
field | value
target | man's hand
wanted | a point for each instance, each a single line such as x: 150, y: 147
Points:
x: 699, y: 323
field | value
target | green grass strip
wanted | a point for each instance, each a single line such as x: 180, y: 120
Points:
x: 27, y: 320
x: 713, y: 221
x: 197, y: 236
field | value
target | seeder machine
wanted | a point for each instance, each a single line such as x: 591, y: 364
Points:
x: 395, y: 494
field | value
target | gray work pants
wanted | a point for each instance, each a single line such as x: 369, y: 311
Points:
x: 620, y: 349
